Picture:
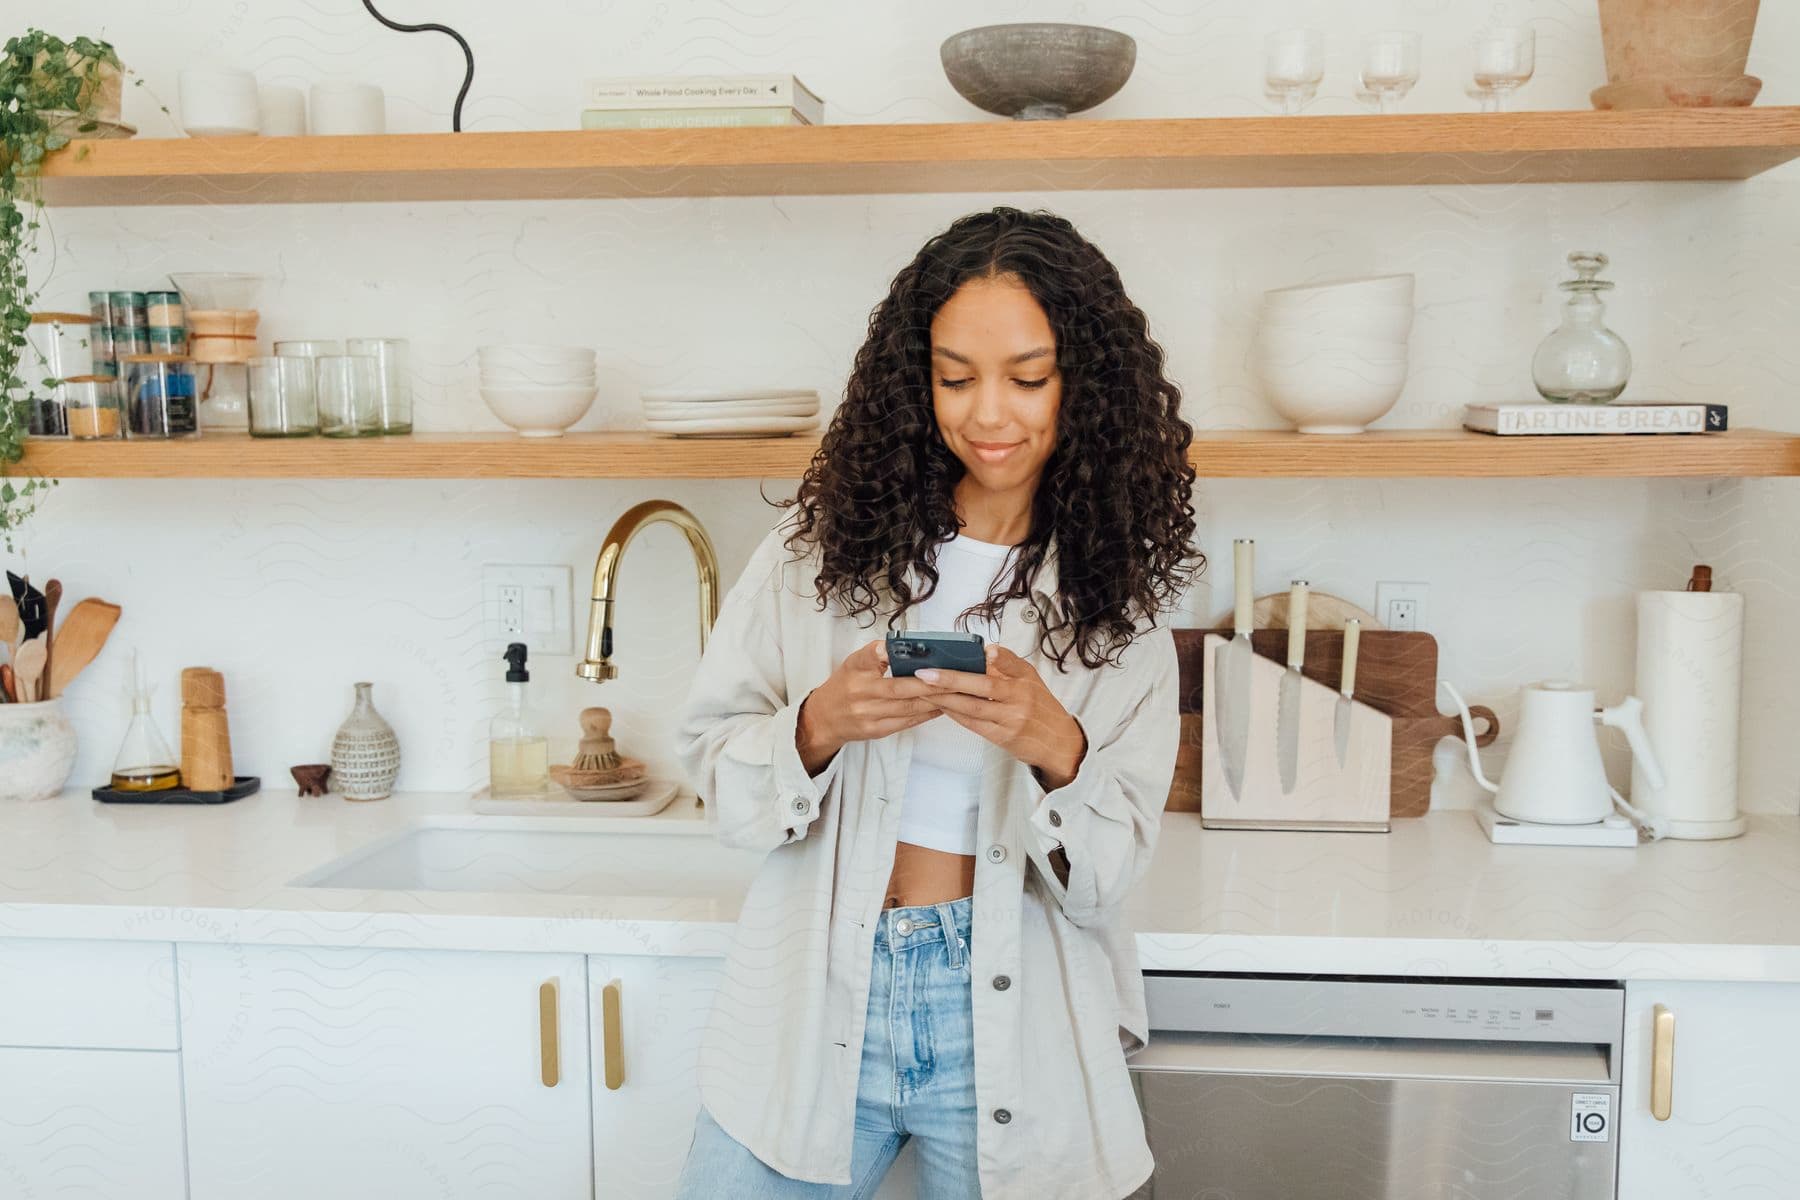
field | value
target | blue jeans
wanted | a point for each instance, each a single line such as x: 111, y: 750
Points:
x: 917, y: 1077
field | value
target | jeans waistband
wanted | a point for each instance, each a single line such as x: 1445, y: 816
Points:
x: 923, y: 924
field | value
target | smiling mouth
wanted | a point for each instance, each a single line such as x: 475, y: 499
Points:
x: 993, y: 451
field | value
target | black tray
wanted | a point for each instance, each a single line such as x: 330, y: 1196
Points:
x: 246, y: 785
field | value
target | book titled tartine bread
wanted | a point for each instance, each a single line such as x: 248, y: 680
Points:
x: 704, y: 91
x: 1594, y: 418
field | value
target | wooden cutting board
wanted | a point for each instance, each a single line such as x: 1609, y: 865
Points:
x: 1395, y: 673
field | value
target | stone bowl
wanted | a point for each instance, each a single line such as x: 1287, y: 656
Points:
x: 1037, y: 70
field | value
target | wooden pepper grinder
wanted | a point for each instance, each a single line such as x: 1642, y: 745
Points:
x: 205, y: 735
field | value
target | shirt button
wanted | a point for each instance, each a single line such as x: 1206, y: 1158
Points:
x: 1002, y: 1116
x: 799, y: 804
x: 997, y: 853
x: 1055, y: 819
x: 903, y: 927
x: 1001, y: 983
x: 1030, y: 614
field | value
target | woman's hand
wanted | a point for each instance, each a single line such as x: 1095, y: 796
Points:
x: 1012, y: 707
x: 859, y: 703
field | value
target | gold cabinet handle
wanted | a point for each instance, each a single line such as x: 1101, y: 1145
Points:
x: 1662, y: 1063
x: 612, y: 1035
x: 549, y: 1034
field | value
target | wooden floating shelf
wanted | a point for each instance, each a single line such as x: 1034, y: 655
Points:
x: 1398, y: 454
x: 968, y: 156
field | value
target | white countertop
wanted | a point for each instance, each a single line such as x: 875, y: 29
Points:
x: 1433, y: 897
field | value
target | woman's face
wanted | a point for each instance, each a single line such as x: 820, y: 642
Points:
x: 995, y: 387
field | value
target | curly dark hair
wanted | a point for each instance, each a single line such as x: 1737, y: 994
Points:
x: 1115, y: 495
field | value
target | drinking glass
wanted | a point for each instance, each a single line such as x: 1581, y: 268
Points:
x: 283, y: 402
x: 394, y: 401
x: 1390, y: 66
x: 1293, y: 65
x: 1505, y: 58
x: 349, y: 387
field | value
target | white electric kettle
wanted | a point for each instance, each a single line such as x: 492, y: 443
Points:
x: 1554, y: 775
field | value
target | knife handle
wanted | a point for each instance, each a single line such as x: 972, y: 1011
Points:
x: 1296, y: 616
x: 1243, y: 552
x: 1352, y: 636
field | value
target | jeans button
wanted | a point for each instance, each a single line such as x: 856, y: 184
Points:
x: 903, y: 927
x: 1002, y: 1116
x: 997, y: 853
x: 1001, y: 983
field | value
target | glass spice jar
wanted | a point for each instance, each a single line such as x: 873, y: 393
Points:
x: 91, y: 403
x: 159, y: 396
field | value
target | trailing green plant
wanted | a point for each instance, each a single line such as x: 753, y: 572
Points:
x: 43, y: 80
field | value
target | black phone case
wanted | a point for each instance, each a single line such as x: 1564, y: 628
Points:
x: 948, y: 655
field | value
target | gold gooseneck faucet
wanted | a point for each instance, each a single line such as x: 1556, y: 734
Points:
x: 598, y: 664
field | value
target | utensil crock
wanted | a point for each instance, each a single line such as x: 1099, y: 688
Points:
x: 37, y: 750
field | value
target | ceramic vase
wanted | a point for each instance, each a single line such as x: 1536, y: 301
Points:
x: 365, y: 754
x: 37, y: 750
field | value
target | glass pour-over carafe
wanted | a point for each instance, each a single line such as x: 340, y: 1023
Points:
x: 1582, y: 362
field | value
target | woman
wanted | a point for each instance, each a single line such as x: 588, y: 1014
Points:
x: 931, y: 949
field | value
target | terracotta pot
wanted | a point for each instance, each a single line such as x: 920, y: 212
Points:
x: 1687, y: 40
x: 104, y: 99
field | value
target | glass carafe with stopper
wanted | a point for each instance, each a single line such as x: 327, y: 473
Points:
x: 144, y: 762
x: 1582, y: 362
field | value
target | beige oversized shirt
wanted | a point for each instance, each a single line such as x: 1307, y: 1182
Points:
x: 1057, y: 994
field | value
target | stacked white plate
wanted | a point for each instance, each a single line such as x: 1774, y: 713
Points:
x: 538, y: 390
x: 1333, y: 356
x: 773, y: 413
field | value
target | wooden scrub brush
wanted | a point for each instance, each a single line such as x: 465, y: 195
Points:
x: 598, y: 762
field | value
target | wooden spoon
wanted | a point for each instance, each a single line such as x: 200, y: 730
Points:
x: 9, y: 624
x: 52, y: 595
x: 28, y: 669
x: 6, y: 683
x: 78, y: 642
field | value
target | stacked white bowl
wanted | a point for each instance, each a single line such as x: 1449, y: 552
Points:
x: 1332, y: 357
x: 538, y: 390
x: 772, y: 412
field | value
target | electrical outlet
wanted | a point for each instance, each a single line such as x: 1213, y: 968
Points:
x: 528, y: 604
x: 1401, y: 606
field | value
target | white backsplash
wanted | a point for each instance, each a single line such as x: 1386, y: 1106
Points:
x: 296, y: 589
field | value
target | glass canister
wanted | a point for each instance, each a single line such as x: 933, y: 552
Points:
x: 1582, y: 361
x: 349, y: 387
x: 129, y: 309
x: 283, y: 402
x: 93, y: 408
x: 162, y: 310
x: 394, y: 397
x: 159, y: 396
x: 46, y: 411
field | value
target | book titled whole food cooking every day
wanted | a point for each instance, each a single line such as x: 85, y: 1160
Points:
x: 636, y: 93
x: 1594, y: 418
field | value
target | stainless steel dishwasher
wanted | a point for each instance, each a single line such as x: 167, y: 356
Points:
x: 1261, y: 1087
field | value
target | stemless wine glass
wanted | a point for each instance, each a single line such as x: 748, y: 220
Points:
x: 1505, y: 58
x: 349, y: 388
x: 394, y: 400
x: 1390, y: 66
x: 282, y: 400
x: 1293, y: 65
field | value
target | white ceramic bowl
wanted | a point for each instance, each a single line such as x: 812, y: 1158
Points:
x: 526, y: 353
x: 1383, y: 324
x: 1332, y: 398
x: 1273, y: 347
x: 539, y: 411
x: 541, y: 376
x: 1367, y: 289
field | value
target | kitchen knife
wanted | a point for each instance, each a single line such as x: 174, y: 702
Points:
x: 1287, y: 712
x: 1347, y: 686
x: 1231, y: 672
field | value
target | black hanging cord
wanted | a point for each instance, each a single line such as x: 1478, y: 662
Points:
x: 468, y: 56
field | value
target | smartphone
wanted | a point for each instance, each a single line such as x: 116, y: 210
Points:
x: 913, y: 649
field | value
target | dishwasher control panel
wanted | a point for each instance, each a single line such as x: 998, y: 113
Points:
x: 1303, y: 1006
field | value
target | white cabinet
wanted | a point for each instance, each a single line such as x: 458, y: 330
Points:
x: 644, y: 1110
x: 91, y: 1124
x: 1733, y: 1129
x: 383, y: 1074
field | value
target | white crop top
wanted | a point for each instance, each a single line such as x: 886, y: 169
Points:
x: 943, y: 785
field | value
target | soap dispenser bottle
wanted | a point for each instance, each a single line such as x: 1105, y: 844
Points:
x: 518, y: 751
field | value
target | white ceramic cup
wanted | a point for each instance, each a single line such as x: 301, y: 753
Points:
x: 283, y: 111
x: 218, y: 102
x: 348, y: 108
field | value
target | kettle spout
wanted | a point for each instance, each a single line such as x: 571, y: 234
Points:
x: 1468, y: 724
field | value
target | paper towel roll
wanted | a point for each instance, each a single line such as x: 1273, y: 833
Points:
x: 1690, y: 670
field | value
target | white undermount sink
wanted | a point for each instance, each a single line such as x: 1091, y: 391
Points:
x: 499, y: 858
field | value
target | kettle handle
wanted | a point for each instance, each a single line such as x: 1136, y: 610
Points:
x: 1628, y: 715
x: 1469, y: 738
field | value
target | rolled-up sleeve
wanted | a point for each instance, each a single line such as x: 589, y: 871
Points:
x: 1106, y: 818
x: 735, y: 734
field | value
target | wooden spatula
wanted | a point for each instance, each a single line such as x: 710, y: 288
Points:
x: 9, y: 624
x: 84, y: 631
x: 28, y: 670
x: 52, y: 597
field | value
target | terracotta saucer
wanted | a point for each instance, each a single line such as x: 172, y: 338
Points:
x: 1677, y: 93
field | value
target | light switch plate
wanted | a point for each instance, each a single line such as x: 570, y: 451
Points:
x: 530, y: 604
